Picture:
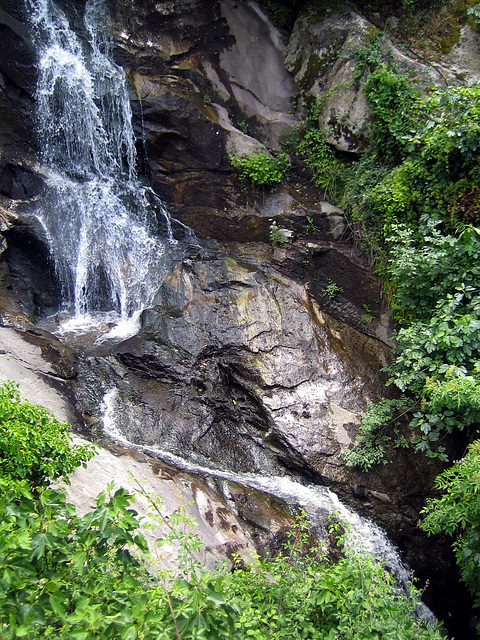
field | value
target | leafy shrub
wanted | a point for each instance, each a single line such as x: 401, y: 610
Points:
x: 33, y: 445
x: 380, y: 426
x: 394, y: 103
x: 414, y: 216
x: 300, y: 594
x: 319, y: 157
x: 457, y: 513
x: 437, y: 353
x: 68, y: 577
x: 262, y: 169
x: 276, y: 234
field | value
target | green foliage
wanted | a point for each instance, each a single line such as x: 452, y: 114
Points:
x: 380, y: 427
x: 310, y: 227
x: 300, y: 594
x: 374, y: 53
x: 412, y: 199
x: 33, y: 445
x: 331, y: 290
x: 457, y: 513
x: 394, y: 104
x: 367, y: 316
x: 327, y: 170
x: 243, y: 126
x: 475, y: 13
x: 276, y: 234
x: 63, y: 576
x: 262, y: 169
x: 448, y: 142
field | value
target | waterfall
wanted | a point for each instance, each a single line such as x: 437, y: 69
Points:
x: 109, y: 234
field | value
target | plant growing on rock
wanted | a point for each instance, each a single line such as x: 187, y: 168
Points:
x: 331, y: 290
x: 34, y: 446
x: 416, y: 212
x: 278, y: 235
x: 327, y: 170
x: 262, y: 169
x: 457, y: 513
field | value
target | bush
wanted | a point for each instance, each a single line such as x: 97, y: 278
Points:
x: 394, y: 103
x: 457, y: 513
x: 417, y: 217
x: 300, y: 594
x: 262, y: 169
x: 33, y: 445
x: 327, y: 170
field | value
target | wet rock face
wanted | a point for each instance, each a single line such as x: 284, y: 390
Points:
x: 31, y: 271
x: 238, y: 365
x: 238, y: 368
x: 198, y: 96
x: 17, y: 80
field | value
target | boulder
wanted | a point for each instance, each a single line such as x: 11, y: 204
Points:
x: 321, y: 57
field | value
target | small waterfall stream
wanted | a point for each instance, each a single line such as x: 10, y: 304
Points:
x: 318, y: 501
x: 108, y: 232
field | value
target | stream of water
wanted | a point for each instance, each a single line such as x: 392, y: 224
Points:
x: 317, y: 501
x: 109, y: 234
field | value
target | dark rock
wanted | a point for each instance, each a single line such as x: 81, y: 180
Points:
x: 32, y: 277
x: 19, y: 182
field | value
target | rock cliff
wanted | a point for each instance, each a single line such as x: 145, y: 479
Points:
x: 245, y: 361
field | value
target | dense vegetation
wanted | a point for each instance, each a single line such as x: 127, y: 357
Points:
x: 418, y: 207
x: 63, y: 576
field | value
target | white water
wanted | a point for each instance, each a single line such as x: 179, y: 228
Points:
x: 362, y: 534
x: 100, y: 220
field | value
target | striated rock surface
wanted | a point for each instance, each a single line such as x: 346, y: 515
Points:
x: 229, y: 519
x: 197, y: 94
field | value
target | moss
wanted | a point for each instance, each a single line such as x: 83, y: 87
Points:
x: 316, y: 67
x: 324, y: 8
x: 371, y: 34
x: 432, y: 27
x: 452, y: 38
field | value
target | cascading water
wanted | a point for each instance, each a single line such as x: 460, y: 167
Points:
x: 108, y: 232
x: 317, y: 501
